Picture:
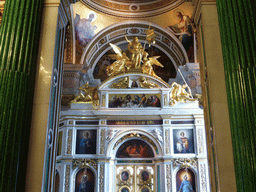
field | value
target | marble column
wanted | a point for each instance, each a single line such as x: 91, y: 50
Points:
x: 19, y: 40
x: 237, y: 28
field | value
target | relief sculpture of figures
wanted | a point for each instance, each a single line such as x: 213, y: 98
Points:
x: 179, y: 93
x: 145, y: 84
x: 90, y: 94
x: 121, y: 84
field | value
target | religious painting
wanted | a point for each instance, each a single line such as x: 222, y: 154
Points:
x: 134, y: 101
x: 166, y: 72
x: 124, y: 189
x: 84, y: 181
x: 124, y: 176
x: 183, y: 141
x: 59, y: 143
x: 184, y: 30
x: 84, y: 30
x: 145, y: 176
x: 145, y: 189
x: 185, y: 180
x: 135, y: 148
x: 86, y: 142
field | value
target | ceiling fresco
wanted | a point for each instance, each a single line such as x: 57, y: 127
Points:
x: 133, y: 8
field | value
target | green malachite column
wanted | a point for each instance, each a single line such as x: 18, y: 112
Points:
x: 238, y: 35
x: 19, y: 37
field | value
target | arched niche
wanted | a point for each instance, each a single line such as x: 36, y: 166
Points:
x: 185, y: 179
x: 166, y: 42
x: 85, y: 180
x: 125, y: 136
x: 134, y: 148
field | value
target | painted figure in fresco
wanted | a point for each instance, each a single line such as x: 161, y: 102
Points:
x: 136, y: 100
x: 156, y: 101
x: 85, y: 185
x: 182, y: 144
x: 142, y: 100
x: 136, y: 49
x: 184, y: 30
x: 185, y: 185
x: 86, y: 144
x: 84, y: 29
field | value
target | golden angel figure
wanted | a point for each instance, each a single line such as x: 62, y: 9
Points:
x: 148, y: 62
x: 121, y: 64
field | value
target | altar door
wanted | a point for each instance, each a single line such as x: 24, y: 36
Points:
x: 135, y: 178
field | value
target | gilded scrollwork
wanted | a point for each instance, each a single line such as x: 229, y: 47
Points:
x: 85, y: 163
x: 102, y: 141
x: 69, y: 142
x: 125, y: 177
x: 185, y: 162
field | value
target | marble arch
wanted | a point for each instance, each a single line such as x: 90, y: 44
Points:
x: 112, y: 147
x: 165, y: 41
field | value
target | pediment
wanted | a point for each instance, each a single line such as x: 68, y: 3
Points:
x: 133, y: 81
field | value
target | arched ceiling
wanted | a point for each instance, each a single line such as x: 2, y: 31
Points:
x: 133, y: 8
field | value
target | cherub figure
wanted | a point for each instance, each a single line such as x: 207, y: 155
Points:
x: 148, y: 62
x: 121, y: 64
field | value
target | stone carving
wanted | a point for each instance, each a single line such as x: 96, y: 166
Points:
x: 158, y: 134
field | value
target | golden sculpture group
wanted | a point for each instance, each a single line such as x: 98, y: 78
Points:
x: 138, y: 62
x: 139, y: 59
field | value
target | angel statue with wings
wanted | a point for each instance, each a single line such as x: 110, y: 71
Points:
x: 122, y: 63
x: 148, y: 63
